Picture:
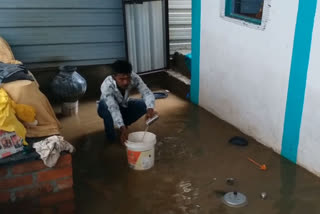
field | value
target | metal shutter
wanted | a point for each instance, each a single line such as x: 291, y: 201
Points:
x: 47, y: 33
x: 180, y: 25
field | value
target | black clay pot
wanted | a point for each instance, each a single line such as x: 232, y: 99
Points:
x: 68, y: 85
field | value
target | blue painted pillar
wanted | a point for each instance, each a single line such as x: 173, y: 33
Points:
x: 195, y: 62
x: 298, y: 78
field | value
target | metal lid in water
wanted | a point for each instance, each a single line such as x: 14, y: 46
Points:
x: 235, y: 199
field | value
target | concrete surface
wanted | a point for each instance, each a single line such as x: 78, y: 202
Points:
x: 193, y: 161
x: 245, y: 71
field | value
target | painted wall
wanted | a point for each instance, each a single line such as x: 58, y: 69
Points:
x: 244, y: 72
x: 309, y: 146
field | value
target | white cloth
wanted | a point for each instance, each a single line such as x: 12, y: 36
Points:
x: 49, y: 149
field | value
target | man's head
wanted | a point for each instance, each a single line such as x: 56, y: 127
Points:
x: 122, y: 73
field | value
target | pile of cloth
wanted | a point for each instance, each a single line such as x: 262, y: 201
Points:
x: 24, y: 109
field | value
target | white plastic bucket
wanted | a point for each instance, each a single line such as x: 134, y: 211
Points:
x: 141, y: 153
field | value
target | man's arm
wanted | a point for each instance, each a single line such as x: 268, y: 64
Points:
x: 114, y: 110
x: 146, y: 93
x: 113, y: 106
x: 147, y: 96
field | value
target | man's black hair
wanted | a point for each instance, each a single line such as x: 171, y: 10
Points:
x: 121, y: 67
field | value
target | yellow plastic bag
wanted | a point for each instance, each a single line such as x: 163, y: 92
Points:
x: 24, y: 112
x: 8, y: 119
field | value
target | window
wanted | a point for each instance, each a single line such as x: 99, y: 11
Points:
x: 247, y: 10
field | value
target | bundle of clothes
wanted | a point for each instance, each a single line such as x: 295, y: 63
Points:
x: 25, y: 113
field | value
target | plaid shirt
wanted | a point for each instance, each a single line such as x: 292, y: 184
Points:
x: 113, y: 97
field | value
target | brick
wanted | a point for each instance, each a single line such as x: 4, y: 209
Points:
x: 4, y: 197
x: 65, y: 183
x: 34, y: 191
x: 15, y: 182
x: 54, y: 174
x: 3, y: 172
x: 55, y: 198
x: 64, y: 160
x: 66, y: 208
x: 28, y: 167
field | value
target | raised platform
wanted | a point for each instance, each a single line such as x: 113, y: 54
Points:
x: 32, y: 183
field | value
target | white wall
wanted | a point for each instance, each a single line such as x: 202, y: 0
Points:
x: 244, y: 72
x: 309, y: 146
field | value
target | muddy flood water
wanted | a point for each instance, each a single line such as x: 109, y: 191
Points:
x: 193, y: 160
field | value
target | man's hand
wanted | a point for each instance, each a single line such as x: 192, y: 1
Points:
x: 123, y: 134
x: 150, y: 113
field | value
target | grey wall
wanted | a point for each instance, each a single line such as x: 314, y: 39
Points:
x: 47, y: 33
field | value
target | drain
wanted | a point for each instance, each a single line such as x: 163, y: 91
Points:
x: 235, y: 199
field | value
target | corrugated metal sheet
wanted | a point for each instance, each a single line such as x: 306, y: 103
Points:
x: 45, y: 33
x: 180, y: 25
x: 146, y: 35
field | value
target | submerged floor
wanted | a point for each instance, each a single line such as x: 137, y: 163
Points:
x: 193, y: 161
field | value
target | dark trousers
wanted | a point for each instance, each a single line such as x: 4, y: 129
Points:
x: 136, y: 109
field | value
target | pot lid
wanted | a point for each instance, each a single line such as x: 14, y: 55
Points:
x: 235, y: 199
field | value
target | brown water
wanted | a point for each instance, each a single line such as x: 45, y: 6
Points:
x: 193, y: 161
